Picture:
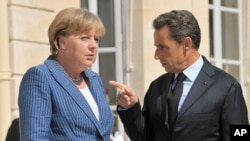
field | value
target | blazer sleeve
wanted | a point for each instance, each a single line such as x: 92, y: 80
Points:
x: 34, y: 106
x: 234, y: 110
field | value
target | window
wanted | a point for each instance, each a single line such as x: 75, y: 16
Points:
x: 225, y: 25
x: 109, y: 63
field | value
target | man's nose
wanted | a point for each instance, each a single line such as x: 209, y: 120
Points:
x: 156, y: 56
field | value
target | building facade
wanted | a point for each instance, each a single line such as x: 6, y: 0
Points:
x: 126, y: 52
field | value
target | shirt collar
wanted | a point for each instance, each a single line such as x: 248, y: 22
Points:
x: 192, y: 71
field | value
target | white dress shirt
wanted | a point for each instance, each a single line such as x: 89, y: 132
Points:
x: 191, y: 73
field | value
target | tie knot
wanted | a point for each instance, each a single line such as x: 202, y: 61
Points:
x: 181, y: 76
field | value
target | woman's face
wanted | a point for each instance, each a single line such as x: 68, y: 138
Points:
x: 80, y: 49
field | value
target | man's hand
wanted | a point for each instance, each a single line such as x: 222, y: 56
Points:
x: 126, y: 97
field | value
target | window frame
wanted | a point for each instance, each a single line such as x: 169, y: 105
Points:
x: 117, y: 49
x: 218, y: 59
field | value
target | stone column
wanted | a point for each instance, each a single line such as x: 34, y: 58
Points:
x: 5, y: 74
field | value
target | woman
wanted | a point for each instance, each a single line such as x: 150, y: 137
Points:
x: 63, y: 99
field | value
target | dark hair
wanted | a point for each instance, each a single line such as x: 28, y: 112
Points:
x: 181, y: 24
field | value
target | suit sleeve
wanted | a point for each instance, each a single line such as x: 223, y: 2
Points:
x: 234, y: 110
x: 34, y: 106
x: 136, y: 121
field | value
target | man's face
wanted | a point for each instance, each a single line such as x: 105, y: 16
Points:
x: 168, y: 51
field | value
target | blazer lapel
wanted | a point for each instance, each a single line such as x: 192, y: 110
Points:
x: 63, y: 79
x: 202, y: 82
x: 100, y: 99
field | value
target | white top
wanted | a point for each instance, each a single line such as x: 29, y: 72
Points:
x: 91, y: 101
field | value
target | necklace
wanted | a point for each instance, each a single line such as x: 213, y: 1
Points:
x: 77, y: 79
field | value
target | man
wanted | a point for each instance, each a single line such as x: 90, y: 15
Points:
x: 211, y: 100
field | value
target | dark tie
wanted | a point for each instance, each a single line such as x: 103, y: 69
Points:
x: 174, y: 98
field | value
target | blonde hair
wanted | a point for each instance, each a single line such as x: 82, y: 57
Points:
x: 71, y: 21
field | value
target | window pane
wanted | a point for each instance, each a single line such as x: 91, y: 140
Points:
x: 106, y: 13
x: 211, y: 33
x: 107, y: 72
x: 234, y: 70
x: 84, y: 4
x: 211, y: 1
x: 230, y: 3
x: 230, y: 41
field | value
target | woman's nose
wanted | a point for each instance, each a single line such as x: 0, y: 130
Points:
x: 94, y: 43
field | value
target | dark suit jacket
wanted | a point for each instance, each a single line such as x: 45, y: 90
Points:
x: 13, y: 132
x: 214, y: 102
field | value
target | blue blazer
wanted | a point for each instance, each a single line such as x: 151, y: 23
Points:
x: 53, y: 109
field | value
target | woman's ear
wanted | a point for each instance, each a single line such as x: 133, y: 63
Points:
x: 61, y: 42
x: 56, y: 44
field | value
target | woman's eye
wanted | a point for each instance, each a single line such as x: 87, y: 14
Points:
x: 84, y: 37
x: 97, y: 40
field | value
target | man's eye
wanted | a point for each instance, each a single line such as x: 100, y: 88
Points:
x: 160, y: 47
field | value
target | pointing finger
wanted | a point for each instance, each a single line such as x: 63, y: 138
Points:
x: 116, y: 84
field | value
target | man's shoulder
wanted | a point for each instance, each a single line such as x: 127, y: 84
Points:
x: 163, y: 78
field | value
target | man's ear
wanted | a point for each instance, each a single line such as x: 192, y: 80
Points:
x: 187, y: 43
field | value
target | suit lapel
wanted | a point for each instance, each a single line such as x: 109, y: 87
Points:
x: 165, y: 88
x: 202, y: 82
